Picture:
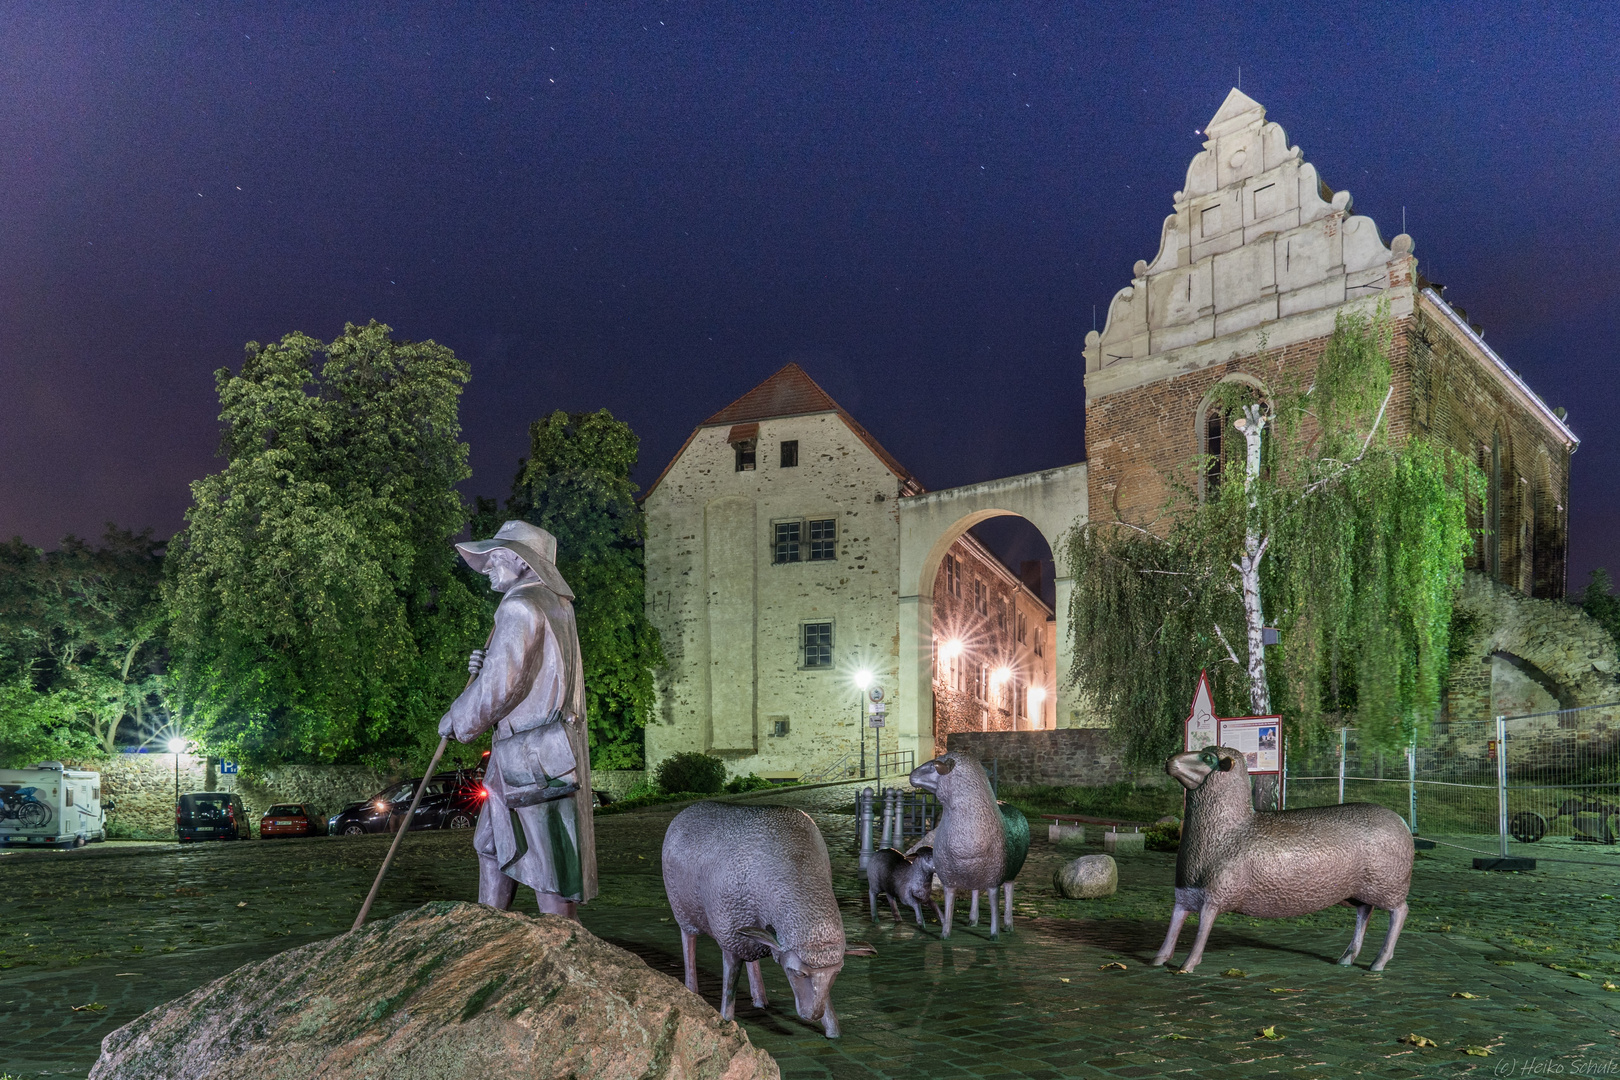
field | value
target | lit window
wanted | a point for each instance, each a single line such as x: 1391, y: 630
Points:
x: 787, y: 541
x: 823, y: 539
x: 790, y: 454
x: 815, y: 644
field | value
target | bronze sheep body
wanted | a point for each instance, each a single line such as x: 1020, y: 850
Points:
x: 904, y: 879
x: 1277, y: 865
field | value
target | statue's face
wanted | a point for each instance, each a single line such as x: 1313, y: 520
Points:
x: 504, y: 570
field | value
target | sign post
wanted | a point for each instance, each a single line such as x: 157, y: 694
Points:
x: 1257, y: 738
x: 876, y: 717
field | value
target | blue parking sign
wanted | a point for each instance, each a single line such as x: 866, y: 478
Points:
x: 227, y: 768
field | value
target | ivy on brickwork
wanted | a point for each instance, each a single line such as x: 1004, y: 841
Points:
x: 1355, y: 541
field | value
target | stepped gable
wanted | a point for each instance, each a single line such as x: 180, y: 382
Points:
x: 1256, y: 237
x: 792, y: 392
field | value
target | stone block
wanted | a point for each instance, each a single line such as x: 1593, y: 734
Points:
x: 1066, y: 832
x: 1124, y: 843
x: 1087, y: 878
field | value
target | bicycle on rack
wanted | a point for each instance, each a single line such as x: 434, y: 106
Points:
x: 24, y: 809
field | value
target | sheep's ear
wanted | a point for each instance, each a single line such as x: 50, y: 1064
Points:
x: 860, y: 948
x: 943, y: 765
x: 760, y: 934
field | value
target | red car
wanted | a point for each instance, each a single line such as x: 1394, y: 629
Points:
x: 290, y: 819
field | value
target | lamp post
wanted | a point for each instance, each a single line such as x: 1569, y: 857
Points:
x: 863, y: 679
x: 176, y: 746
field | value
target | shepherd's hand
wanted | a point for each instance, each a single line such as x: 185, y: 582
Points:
x: 475, y: 661
x: 447, y: 727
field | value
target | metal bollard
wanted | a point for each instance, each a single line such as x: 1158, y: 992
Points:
x: 863, y: 825
x: 888, y: 818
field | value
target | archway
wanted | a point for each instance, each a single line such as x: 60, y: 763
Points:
x: 1053, y: 501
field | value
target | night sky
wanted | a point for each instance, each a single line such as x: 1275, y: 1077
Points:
x: 652, y: 207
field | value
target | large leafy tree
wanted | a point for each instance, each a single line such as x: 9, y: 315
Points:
x: 1351, y: 540
x: 575, y: 483
x: 81, y: 645
x: 316, y: 609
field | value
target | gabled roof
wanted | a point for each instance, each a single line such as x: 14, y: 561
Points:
x: 791, y: 392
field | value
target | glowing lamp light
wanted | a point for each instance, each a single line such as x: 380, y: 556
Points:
x: 863, y: 678
x: 951, y: 649
x: 1037, y: 695
x: 177, y: 746
x: 381, y: 805
x: 1000, y: 675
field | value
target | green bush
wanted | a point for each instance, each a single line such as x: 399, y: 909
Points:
x: 752, y: 782
x: 690, y: 771
x: 1166, y: 837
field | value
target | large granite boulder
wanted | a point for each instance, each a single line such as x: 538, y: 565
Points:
x: 1087, y: 878
x: 450, y: 991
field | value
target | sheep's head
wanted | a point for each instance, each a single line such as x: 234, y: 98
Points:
x: 924, y: 859
x: 1195, y: 766
x: 926, y: 777
x: 810, y: 972
x: 952, y: 774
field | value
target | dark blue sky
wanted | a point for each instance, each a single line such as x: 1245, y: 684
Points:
x: 652, y: 207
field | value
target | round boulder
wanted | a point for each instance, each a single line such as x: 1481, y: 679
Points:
x: 1087, y: 877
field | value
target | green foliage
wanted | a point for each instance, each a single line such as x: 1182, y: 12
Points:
x: 1166, y: 837
x: 575, y: 484
x: 1599, y: 601
x: 81, y: 646
x: 1365, y: 540
x: 1123, y: 801
x: 318, y: 614
x: 690, y: 771
x: 752, y: 782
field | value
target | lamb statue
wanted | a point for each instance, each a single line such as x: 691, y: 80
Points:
x: 1281, y: 864
x: 904, y: 878
x: 979, y: 844
x: 758, y: 880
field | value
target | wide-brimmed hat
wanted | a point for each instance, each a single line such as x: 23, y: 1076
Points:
x: 532, y: 544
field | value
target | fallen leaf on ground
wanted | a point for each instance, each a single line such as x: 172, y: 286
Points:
x: 1270, y: 1032
x: 1476, y: 1051
x: 1061, y: 979
x: 121, y: 974
x: 1173, y: 1035
x: 1235, y: 973
x: 94, y: 1006
x: 1607, y: 985
x: 1466, y: 994
x: 241, y: 903
x: 1115, y: 966
x: 1287, y: 989
x: 1417, y: 1040
x: 1506, y: 963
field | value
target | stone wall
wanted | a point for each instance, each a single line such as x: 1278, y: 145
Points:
x: 142, y: 788
x: 1064, y: 757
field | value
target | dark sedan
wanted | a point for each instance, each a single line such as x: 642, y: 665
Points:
x: 452, y: 801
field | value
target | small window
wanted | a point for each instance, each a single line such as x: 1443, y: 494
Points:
x: 779, y: 728
x: 1040, y: 641
x: 790, y: 454
x: 815, y: 644
x: 69, y: 793
x: 953, y: 577
x: 1001, y: 615
x: 823, y: 539
x: 1214, y: 429
x: 745, y: 456
x: 1023, y: 629
x: 981, y: 598
x: 788, y: 534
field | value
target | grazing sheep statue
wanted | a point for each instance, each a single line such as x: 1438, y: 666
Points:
x: 1282, y: 864
x: 979, y: 845
x: 903, y: 879
x: 757, y: 879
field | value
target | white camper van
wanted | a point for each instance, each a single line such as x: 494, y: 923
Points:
x: 51, y: 805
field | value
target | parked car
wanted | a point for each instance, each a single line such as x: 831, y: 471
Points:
x: 291, y: 819
x: 211, y: 815
x: 452, y: 801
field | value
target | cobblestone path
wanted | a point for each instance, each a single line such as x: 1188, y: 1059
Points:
x: 130, y: 927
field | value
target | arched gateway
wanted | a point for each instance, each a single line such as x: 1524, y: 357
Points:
x: 1053, y: 500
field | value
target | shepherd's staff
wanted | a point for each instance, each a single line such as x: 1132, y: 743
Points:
x: 404, y: 826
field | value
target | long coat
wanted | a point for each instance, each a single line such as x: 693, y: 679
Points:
x: 533, y: 677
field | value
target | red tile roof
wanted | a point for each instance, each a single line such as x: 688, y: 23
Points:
x: 791, y: 392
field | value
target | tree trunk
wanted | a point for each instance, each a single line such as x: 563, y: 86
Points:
x: 1254, y: 549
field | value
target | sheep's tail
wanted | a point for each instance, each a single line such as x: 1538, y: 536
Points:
x: 1015, y: 830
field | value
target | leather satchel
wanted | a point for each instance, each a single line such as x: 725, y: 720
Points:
x: 536, y: 765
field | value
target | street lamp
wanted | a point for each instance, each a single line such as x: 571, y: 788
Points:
x: 863, y: 679
x: 176, y: 747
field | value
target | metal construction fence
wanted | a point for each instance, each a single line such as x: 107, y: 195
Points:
x: 1542, y: 785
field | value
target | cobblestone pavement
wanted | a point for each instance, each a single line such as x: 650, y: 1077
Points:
x: 128, y: 927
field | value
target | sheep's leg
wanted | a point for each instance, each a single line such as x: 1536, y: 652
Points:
x: 950, y: 912
x: 1363, y: 916
x: 1397, y: 916
x: 728, y: 985
x: 916, y: 908
x: 756, y: 984
x: 938, y: 914
x: 995, y: 914
x: 829, y: 1020
x: 871, y: 895
x: 689, y: 954
x: 1206, y: 923
x: 1007, y: 918
x: 973, y: 911
x: 894, y: 908
x: 1177, y: 918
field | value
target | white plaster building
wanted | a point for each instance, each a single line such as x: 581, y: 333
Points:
x: 774, y: 579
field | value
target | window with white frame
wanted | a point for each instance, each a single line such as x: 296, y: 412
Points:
x: 815, y: 644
